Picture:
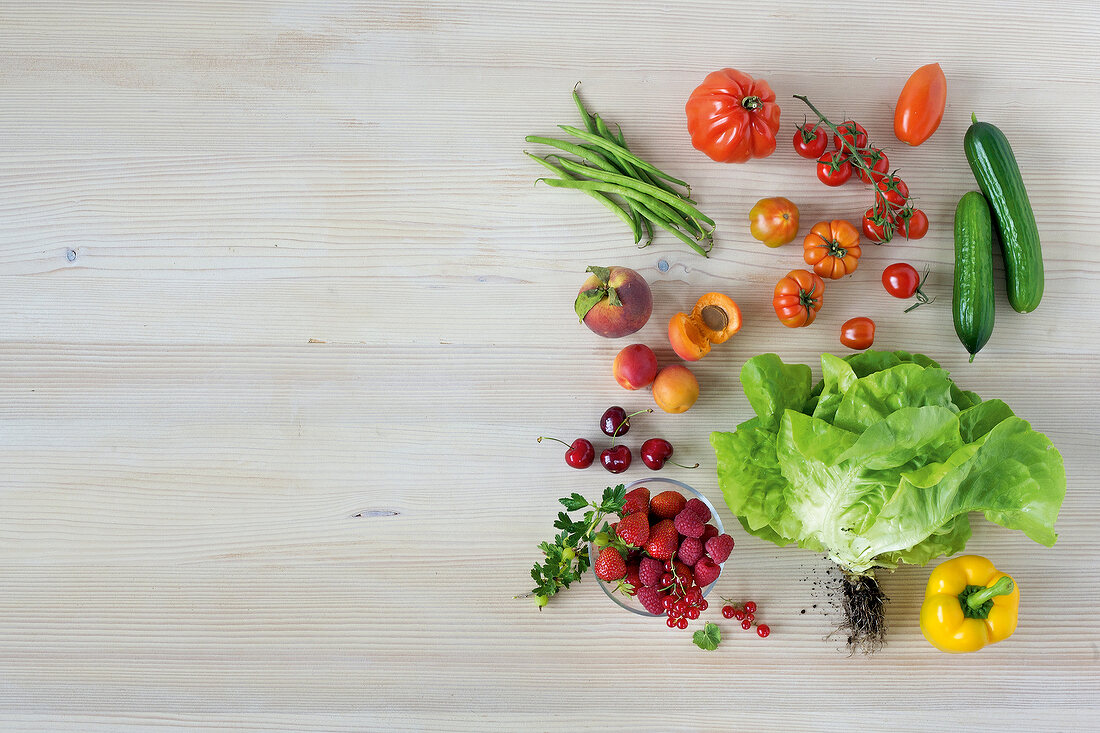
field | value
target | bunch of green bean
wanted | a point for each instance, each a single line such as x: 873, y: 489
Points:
x: 646, y: 194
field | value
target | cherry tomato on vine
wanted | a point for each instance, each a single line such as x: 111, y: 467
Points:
x: 877, y: 226
x: 810, y: 141
x: 833, y: 169
x: 877, y: 161
x: 894, y: 190
x: 797, y: 298
x: 911, y: 223
x: 858, y: 333
x: 900, y: 280
x: 853, y: 132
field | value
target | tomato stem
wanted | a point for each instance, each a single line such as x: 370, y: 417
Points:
x: 751, y: 102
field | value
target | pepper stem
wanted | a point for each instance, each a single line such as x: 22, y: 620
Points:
x: 1002, y: 587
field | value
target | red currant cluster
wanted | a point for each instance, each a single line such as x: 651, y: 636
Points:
x: 615, y: 422
x: 746, y: 614
x: 684, y: 601
x: 853, y: 153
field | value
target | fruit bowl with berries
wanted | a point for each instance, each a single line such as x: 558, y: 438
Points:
x: 667, y: 551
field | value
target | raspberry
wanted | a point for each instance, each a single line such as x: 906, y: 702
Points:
x: 667, y: 504
x: 720, y: 547
x: 637, y: 500
x: 697, y: 506
x: 688, y: 523
x: 663, y: 541
x: 709, y: 531
x: 610, y: 565
x: 691, y: 550
x: 634, y: 529
x: 651, y: 600
x: 650, y: 571
x: 706, y: 572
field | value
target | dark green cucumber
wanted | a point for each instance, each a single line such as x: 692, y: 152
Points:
x: 972, y: 299
x: 994, y: 166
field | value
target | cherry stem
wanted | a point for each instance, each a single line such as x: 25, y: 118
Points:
x: 674, y: 463
x: 542, y: 438
x: 624, y: 422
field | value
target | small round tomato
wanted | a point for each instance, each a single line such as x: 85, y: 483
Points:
x: 810, y: 141
x: 877, y: 226
x: 833, y: 169
x: 900, y: 280
x: 832, y: 247
x: 858, y: 333
x: 774, y: 221
x: 853, y: 133
x: 912, y: 223
x: 894, y: 190
x: 798, y: 297
x: 877, y: 161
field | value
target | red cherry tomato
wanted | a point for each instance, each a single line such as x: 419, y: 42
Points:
x: 877, y: 161
x: 858, y: 333
x: 894, y: 190
x: 877, y: 226
x: 810, y: 141
x: 853, y: 132
x: 833, y: 169
x: 900, y: 280
x: 912, y: 223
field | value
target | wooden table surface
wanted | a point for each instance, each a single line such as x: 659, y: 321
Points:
x: 283, y: 314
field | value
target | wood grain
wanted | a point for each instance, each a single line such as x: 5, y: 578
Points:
x: 282, y: 314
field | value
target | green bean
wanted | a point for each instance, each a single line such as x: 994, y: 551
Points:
x: 628, y: 169
x: 623, y: 152
x: 580, y: 151
x: 584, y: 113
x: 627, y: 181
x: 648, y: 231
x: 611, y: 205
x: 657, y: 210
x: 650, y: 216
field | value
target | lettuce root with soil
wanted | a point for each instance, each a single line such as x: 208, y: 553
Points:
x: 880, y: 463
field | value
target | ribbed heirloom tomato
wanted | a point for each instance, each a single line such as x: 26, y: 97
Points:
x: 798, y: 297
x: 832, y: 247
x: 732, y: 117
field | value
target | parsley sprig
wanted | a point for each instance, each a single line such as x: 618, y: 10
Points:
x: 566, y: 558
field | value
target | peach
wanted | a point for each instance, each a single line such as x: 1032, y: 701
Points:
x: 614, y: 301
x: 675, y: 389
x: 635, y: 366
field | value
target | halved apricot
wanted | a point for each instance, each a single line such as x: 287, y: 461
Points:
x: 718, y: 317
x: 687, y: 337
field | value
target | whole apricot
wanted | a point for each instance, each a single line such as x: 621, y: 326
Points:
x: 635, y: 366
x: 675, y: 389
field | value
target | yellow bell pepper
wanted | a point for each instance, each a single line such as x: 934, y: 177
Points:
x: 968, y: 603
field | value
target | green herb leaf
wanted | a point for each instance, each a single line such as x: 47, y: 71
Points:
x: 574, y: 502
x: 708, y: 637
x: 587, y: 300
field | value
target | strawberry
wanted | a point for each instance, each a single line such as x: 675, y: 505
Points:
x: 709, y: 531
x: 688, y: 523
x: 634, y: 529
x: 632, y: 583
x: 720, y: 547
x: 651, y: 600
x: 691, y: 550
x: 697, y: 506
x: 610, y: 565
x: 637, y: 500
x: 706, y: 572
x: 663, y: 541
x: 650, y: 571
x: 667, y: 504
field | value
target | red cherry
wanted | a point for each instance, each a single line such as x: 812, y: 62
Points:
x: 750, y: 607
x: 580, y: 453
x: 615, y: 421
x: 656, y: 451
x: 727, y: 611
x: 763, y: 631
x: 617, y: 459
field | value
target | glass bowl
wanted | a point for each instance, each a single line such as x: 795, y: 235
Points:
x: 630, y: 603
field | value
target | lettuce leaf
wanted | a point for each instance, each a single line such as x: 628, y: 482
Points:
x: 882, y: 461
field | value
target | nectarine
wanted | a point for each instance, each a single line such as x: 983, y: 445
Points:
x: 635, y: 366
